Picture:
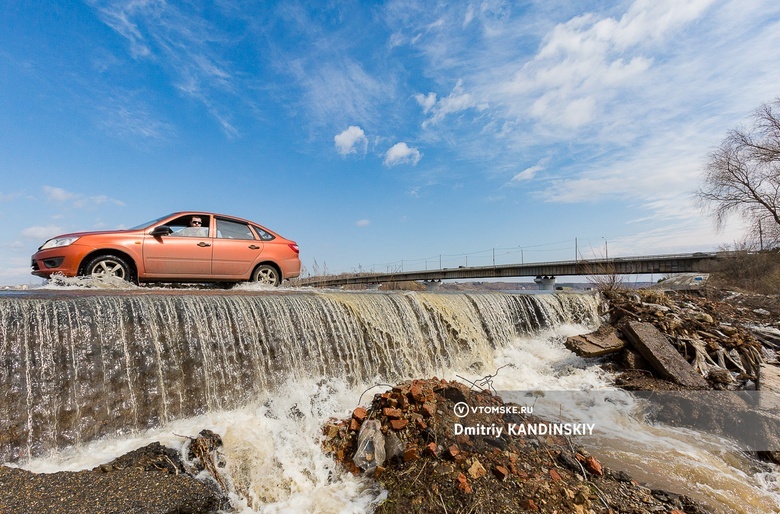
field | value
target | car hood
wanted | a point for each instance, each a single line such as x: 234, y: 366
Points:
x: 91, y: 233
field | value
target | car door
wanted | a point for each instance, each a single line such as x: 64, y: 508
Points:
x: 236, y: 249
x: 182, y: 255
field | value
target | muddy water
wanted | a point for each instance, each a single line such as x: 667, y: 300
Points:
x: 266, y: 369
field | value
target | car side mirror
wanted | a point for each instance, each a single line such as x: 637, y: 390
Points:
x: 162, y: 230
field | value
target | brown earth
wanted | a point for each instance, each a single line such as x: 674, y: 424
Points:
x: 149, y: 480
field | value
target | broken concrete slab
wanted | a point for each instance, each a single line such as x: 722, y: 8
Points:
x: 601, y: 342
x: 768, y: 386
x: 664, y: 358
x: 769, y: 378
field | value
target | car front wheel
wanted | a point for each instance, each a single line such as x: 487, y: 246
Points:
x: 108, y: 266
x: 266, y: 274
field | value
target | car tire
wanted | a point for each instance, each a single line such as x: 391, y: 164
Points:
x: 108, y: 266
x: 267, y: 274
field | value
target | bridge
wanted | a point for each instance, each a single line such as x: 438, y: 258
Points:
x: 544, y: 272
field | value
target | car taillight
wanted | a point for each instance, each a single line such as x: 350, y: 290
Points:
x: 293, y: 247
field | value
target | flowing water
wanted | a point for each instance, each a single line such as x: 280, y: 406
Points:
x: 88, y: 376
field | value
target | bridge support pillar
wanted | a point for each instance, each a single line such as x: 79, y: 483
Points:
x: 546, y: 283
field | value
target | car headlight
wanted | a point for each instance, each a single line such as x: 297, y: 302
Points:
x: 58, y: 242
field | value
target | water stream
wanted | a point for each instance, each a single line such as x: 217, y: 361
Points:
x: 90, y: 375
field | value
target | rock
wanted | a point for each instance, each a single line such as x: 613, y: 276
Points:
x: 392, y: 413
x: 720, y: 376
x: 632, y: 360
x: 769, y: 387
x: 463, y: 483
x: 769, y: 378
x: 768, y: 336
x: 529, y: 505
x: 701, y: 316
x: 398, y: 424
x: 593, y: 466
x: 601, y: 342
x: 664, y: 358
x: 152, y: 457
x: 477, y: 470
x: 359, y: 414
x: 411, y: 454
x: 417, y: 394
x: 570, y: 461
x: 500, y: 472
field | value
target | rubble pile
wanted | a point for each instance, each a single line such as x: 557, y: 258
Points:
x: 718, y: 339
x: 411, y: 439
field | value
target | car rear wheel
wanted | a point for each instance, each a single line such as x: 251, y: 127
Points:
x: 267, y: 274
x: 108, y: 266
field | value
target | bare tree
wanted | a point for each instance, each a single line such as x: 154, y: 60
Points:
x: 742, y: 175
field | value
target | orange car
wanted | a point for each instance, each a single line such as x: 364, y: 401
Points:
x: 181, y: 247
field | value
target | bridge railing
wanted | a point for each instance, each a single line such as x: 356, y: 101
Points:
x: 668, y: 263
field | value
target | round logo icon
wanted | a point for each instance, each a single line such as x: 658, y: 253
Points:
x: 461, y: 409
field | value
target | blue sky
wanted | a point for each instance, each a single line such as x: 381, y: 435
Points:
x: 376, y: 133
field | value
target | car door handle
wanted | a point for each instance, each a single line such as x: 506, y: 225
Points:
x: 203, y: 245
x: 253, y: 247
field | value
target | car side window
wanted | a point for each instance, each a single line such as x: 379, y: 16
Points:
x: 192, y: 225
x: 233, y: 230
x: 264, y: 235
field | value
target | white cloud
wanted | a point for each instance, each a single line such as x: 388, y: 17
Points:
x: 363, y: 223
x: 426, y: 101
x: 352, y: 140
x: 622, y: 104
x: 401, y: 153
x: 185, y: 45
x: 336, y: 89
x: 41, y: 232
x: 57, y: 194
x: 526, y: 174
x: 458, y: 100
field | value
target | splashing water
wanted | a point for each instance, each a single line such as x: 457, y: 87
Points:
x: 266, y: 370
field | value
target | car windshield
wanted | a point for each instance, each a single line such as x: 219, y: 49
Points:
x: 144, y: 225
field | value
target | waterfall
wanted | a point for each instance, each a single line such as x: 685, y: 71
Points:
x: 78, y: 365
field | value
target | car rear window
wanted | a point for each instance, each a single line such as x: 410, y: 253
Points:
x: 263, y: 234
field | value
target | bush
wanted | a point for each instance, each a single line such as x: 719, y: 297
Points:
x: 757, y: 272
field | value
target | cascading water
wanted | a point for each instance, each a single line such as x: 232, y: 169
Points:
x: 266, y: 370
x: 81, y: 365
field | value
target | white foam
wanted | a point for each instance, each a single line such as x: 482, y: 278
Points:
x: 275, y: 463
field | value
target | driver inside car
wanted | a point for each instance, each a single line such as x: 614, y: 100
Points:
x: 196, y: 229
